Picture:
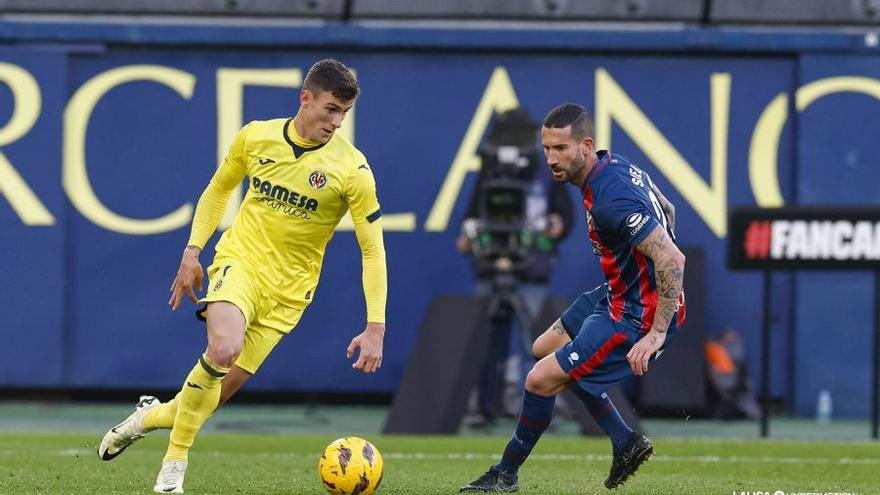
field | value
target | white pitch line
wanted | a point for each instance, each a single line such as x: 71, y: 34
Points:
x: 73, y: 452
x: 656, y: 458
x: 470, y: 456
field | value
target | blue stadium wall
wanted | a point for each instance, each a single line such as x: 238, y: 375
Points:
x: 108, y: 134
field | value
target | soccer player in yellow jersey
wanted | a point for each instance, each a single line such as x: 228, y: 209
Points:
x: 302, y: 179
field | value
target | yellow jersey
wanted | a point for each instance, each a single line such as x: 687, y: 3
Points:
x: 297, y: 192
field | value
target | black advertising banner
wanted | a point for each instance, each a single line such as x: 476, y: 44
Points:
x: 804, y: 238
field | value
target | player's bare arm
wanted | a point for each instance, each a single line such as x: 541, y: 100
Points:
x: 669, y: 272
x: 189, y: 275
x: 666, y: 205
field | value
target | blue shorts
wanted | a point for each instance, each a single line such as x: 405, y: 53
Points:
x: 596, y: 356
x: 581, y: 308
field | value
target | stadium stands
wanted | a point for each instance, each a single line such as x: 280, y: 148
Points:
x: 691, y: 11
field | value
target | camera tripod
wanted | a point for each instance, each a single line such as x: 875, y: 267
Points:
x: 505, y: 293
x: 504, y: 307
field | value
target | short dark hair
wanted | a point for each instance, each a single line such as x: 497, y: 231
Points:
x: 333, y: 76
x: 574, y: 115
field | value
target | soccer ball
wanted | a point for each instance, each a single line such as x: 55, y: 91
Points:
x: 350, y: 466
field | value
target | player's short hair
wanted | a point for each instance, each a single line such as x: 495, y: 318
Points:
x: 574, y: 115
x: 333, y: 76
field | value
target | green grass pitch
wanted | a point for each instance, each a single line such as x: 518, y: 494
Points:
x: 286, y: 464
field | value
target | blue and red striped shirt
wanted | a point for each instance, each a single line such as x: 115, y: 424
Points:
x: 622, y: 210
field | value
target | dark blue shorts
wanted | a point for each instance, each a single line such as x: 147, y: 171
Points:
x: 581, y: 308
x: 596, y: 356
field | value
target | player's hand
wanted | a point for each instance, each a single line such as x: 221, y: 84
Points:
x: 370, y: 343
x: 188, y: 276
x: 641, y: 353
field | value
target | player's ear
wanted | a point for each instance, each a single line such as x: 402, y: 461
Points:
x: 587, y: 145
x: 305, y: 97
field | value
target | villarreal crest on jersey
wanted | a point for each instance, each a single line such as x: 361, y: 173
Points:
x: 295, y: 197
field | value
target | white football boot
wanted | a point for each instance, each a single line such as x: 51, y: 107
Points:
x: 129, y: 431
x: 170, y: 479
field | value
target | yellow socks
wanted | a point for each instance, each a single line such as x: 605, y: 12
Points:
x: 195, y: 403
x: 162, y: 416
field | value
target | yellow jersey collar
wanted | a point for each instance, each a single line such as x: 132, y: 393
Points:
x: 298, y: 144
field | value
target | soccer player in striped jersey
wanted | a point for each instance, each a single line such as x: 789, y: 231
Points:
x: 614, y: 331
x: 302, y: 179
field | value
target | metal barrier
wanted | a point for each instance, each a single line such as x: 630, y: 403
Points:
x: 287, y: 8
x: 796, y: 11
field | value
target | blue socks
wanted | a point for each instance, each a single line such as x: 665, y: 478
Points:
x: 537, y: 411
x: 606, y: 415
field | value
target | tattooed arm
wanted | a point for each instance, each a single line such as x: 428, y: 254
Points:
x: 666, y: 205
x: 669, y: 273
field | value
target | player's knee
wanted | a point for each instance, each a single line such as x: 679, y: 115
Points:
x: 224, y: 353
x: 538, y: 383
